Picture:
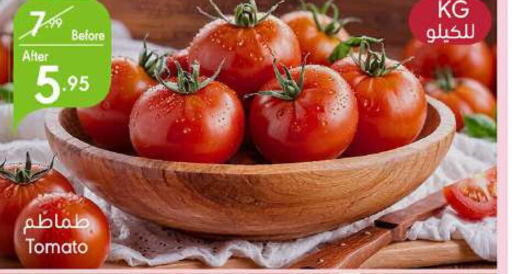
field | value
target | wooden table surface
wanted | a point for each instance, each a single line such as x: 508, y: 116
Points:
x: 411, y: 254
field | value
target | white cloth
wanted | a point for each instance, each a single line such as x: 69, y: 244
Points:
x: 32, y: 126
x: 139, y: 242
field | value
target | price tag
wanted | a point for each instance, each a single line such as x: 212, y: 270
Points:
x: 461, y: 22
x: 62, y: 55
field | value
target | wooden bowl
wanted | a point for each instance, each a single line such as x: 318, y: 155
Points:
x: 259, y: 201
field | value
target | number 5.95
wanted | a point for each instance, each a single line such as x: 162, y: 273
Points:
x: 73, y: 82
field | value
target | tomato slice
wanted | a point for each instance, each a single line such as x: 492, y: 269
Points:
x: 474, y: 198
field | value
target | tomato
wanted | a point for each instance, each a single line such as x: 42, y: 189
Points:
x: 318, y: 34
x: 391, y: 100
x: 466, y: 61
x: 19, y: 185
x: 188, y: 119
x: 491, y: 176
x: 463, y: 95
x: 303, y: 118
x: 5, y: 64
x: 62, y: 230
x: 246, y: 43
x: 474, y: 198
x: 182, y: 57
x: 494, y: 85
x: 107, y: 122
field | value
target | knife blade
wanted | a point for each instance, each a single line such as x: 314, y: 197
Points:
x: 354, y: 250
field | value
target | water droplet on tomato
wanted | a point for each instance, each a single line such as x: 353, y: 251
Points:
x: 280, y: 113
x: 105, y: 105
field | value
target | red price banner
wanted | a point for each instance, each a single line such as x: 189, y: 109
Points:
x: 450, y: 21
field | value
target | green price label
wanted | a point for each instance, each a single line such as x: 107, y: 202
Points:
x: 62, y: 55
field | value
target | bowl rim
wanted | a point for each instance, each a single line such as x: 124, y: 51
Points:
x: 445, y: 128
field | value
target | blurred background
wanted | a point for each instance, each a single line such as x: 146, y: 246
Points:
x: 175, y: 22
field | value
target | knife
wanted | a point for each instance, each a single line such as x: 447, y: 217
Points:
x: 354, y: 250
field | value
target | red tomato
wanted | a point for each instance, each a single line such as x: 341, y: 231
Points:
x: 463, y: 95
x: 70, y: 232
x: 466, y: 61
x: 19, y: 185
x: 474, y: 198
x: 392, y: 104
x: 246, y: 43
x: 317, y: 40
x: 107, y: 122
x: 310, y: 120
x: 188, y: 119
x: 491, y: 176
x: 495, y: 67
x: 5, y: 64
x: 182, y: 57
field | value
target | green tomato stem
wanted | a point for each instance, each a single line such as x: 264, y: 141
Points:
x: 24, y: 176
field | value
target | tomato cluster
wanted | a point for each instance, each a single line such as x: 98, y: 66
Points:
x: 107, y: 122
x: 242, y: 76
x: 32, y: 197
x: 18, y: 188
x: 241, y: 79
x: 464, y: 96
x: 461, y: 76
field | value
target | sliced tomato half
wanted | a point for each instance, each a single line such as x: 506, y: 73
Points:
x: 474, y: 198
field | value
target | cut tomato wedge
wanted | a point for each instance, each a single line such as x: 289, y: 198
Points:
x: 474, y: 198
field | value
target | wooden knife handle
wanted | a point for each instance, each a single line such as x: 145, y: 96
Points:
x: 349, y: 252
